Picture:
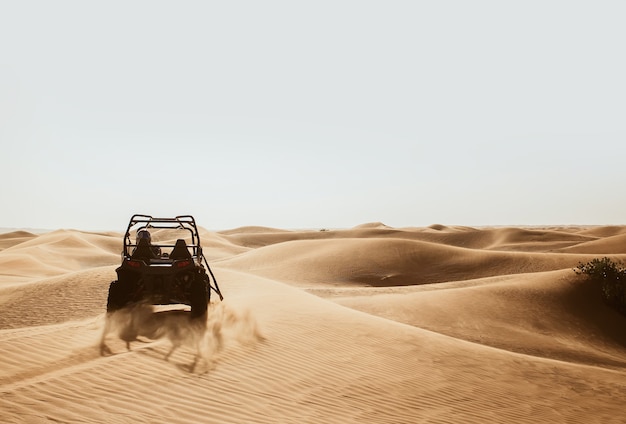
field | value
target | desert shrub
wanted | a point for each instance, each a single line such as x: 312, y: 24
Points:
x: 611, y: 276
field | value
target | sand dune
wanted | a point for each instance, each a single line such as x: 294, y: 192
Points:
x: 367, y: 324
x: 57, y: 253
x: 387, y: 261
x: 603, y: 231
x: 218, y: 247
x: 550, y: 314
x: 506, y: 239
x: 609, y: 245
x: 14, y: 237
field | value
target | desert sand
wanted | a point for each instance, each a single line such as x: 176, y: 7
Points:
x: 439, y: 324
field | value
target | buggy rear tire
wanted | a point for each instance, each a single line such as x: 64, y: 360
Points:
x: 198, y: 297
x: 207, y: 284
x: 118, y: 298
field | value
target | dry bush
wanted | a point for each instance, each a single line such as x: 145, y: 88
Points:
x: 611, y: 277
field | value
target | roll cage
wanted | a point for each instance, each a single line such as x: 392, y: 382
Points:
x: 146, y: 222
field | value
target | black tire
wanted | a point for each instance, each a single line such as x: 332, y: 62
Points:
x: 198, y: 297
x: 117, y: 298
x: 207, y: 284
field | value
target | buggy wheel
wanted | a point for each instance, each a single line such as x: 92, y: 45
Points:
x: 207, y: 284
x: 117, y: 298
x: 198, y: 297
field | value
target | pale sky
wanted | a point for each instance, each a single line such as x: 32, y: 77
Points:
x: 310, y: 114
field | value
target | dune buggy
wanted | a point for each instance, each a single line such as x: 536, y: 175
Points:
x: 163, y: 264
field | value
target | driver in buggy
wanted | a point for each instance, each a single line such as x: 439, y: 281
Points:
x: 145, y: 235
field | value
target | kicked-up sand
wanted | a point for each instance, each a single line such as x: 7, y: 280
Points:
x: 372, y: 324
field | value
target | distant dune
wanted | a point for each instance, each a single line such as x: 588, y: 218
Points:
x: 370, y: 324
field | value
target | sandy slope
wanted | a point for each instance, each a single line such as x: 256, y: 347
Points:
x: 369, y: 324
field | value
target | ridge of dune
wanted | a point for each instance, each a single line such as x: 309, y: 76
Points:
x: 56, y: 253
x: 253, y: 229
x: 506, y: 238
x: 604, y: 230
x: 378, y: 225
x: 14, y: 238
x: 17, y: 234
x: 71, y: 239
x: 253, y: 237
x: 448, y: 228
x: 388, y: 261
x: 520, y: 235
x: 218, y: 246
x: 517, y: 239
x: 261, y: 239
x: 610, y: 245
